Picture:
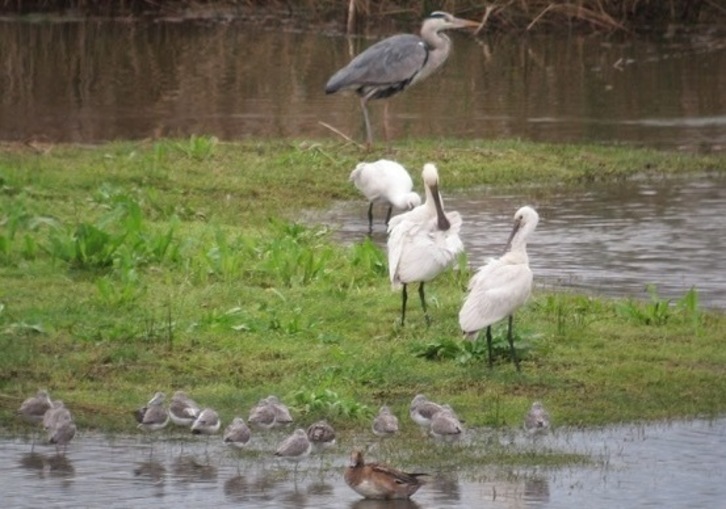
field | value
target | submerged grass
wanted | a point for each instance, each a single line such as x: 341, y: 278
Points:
x: 184, y: 264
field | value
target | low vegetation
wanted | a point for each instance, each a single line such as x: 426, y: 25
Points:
x: 193, y: 264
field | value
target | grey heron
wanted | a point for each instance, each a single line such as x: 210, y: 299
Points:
x: 393, y: 64
x: 501, y: 286
x: 423, y: 242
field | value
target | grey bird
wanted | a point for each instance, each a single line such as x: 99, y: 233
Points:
x: 446, y: 426
x: 321, y: 435
x: 237, y: 434
x: 393, y: 64
x: 422, y: 410
x: 153, y: 416
x: 295, y: 447
x: 385, y: 423
x: 33, y: 409
x: 61, y: 434
x: 537, y: 420
x: 183, y: 410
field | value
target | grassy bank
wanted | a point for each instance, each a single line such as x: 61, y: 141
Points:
x: 182, y: 264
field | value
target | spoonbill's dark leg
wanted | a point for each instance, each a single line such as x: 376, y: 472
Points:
x: 370, y: 218
x: 423, y: 303
x: 404, y: 296
x: 388, y: 216
x: 511, y: 343
x: 489, y: 344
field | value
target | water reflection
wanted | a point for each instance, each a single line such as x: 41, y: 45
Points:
x: 612, y: 239
x: 100, y: 80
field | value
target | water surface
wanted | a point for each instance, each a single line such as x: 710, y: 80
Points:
x: 87, y: 81
x: 665, y: 465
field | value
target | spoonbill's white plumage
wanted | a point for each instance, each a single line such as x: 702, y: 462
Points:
x: 537, y: 420
x: 385, y: 182
x: 423, y: 242
x: 502, y: 286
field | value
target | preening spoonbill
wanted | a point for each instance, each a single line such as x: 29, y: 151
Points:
x: 501, y: 286
x: 423, y: 242
x: 393, y: 64
x: 385, y: 182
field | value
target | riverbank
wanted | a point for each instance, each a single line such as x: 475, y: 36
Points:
x: 363, y: 16
x: 182, y: 264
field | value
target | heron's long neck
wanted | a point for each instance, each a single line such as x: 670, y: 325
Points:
x: 439, y: 46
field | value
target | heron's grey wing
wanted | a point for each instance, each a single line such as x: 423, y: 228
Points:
x: 393, y: 60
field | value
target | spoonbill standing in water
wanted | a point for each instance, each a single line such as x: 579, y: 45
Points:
x: 423, y: 242
x: 502, y: 286
x: 385, y: 182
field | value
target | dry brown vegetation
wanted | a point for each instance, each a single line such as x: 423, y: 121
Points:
x: 351, y: 15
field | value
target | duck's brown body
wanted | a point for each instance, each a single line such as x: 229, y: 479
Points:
x: 378, y: 481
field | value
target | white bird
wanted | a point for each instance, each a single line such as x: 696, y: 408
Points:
x: 537, y: 420
x: 237, y: 434
x: 423, y: 242
x: 207, y: 423
x: 446, y: 426
x: 385, y: 182
x: 422, y: 410
x: 501, y: 286
x: 385, y: 424
x: 183, y: 410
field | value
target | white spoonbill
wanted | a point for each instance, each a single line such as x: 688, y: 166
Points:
x: 385, y: 182
x: 501, y: 286
x: 423, y: 242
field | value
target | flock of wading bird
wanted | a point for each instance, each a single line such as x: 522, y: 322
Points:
x: 371, y: 480
x: 422, y: 243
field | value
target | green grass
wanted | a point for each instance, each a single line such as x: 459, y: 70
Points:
x: 184, y: 264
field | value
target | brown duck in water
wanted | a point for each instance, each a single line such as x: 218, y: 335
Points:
x: 375, y: 480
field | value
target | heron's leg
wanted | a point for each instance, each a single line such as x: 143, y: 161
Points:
x: 423, y: 302
x: 369, y: 134
x: 489, y: 344
x: 388, y: 215
x: 370, y: 218
x: 403, y: 304
x: 511, y: 343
